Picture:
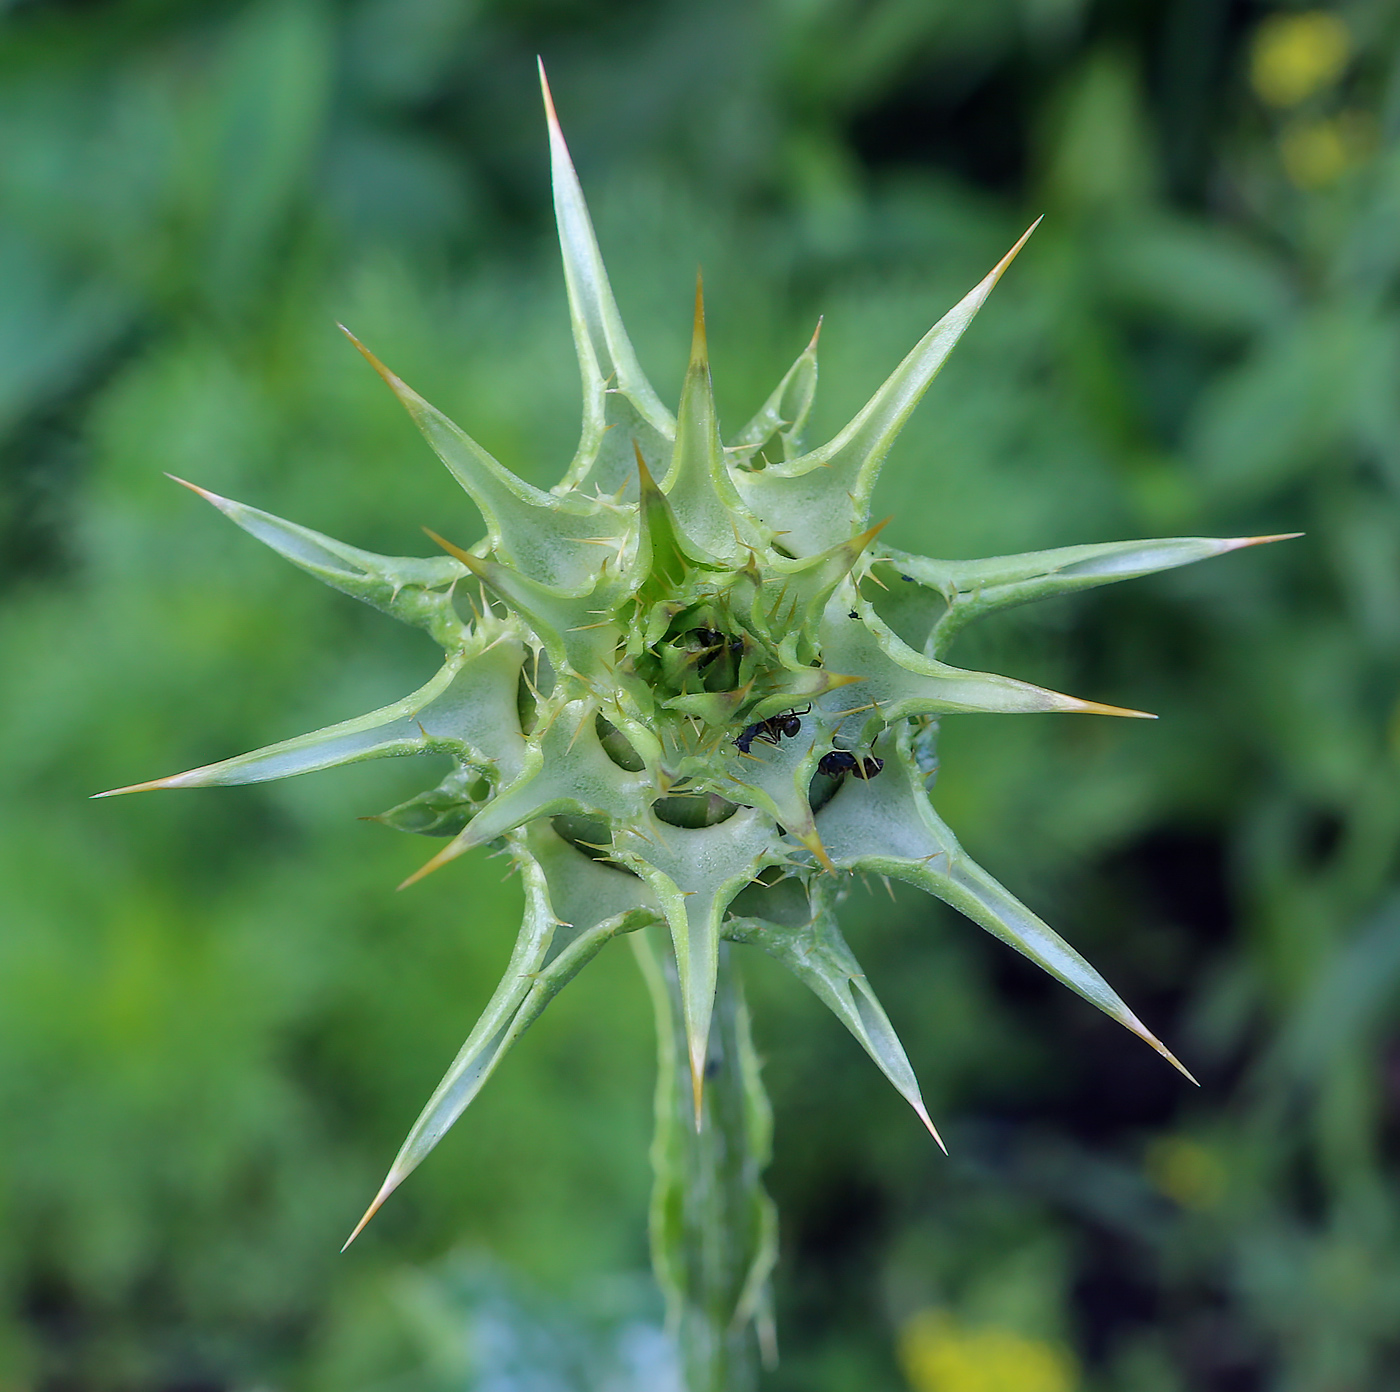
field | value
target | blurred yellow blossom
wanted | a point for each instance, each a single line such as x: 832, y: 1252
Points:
x: 1186, y: 1171
x: 940, y: 1355
x: 1316, y: 153
x: 1297, y: 55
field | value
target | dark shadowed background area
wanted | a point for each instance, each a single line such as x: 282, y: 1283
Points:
x: 217, y: 1019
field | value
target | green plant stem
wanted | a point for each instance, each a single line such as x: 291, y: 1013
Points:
x: 713, y: 1226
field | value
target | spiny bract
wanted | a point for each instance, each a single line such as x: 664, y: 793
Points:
x: 668, y: 695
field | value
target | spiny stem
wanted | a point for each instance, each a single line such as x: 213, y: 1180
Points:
x: 713, y: 1226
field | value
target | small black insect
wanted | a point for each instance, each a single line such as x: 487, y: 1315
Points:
x: 854, y: 615
x: 773, y: 729
x: 841, y: 761
x: 714, y: 643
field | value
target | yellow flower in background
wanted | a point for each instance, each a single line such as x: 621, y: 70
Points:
x: 1296, y: 56
x: 1186, y: 1172
x: 938, y: 1354
x: 1318, y: 153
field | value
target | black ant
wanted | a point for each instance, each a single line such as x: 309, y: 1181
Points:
x: 714, y: 643
x: 841, y: 761
x: 773, y: 729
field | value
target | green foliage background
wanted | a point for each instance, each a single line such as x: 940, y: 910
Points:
x: 217, y: 1020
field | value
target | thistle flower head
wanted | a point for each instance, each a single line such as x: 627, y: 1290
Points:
x: 667, y: 692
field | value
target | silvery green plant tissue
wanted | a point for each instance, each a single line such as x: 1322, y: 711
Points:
x: 669, y: 697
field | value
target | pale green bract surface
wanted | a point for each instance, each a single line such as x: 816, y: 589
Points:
x: 610, y: 646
